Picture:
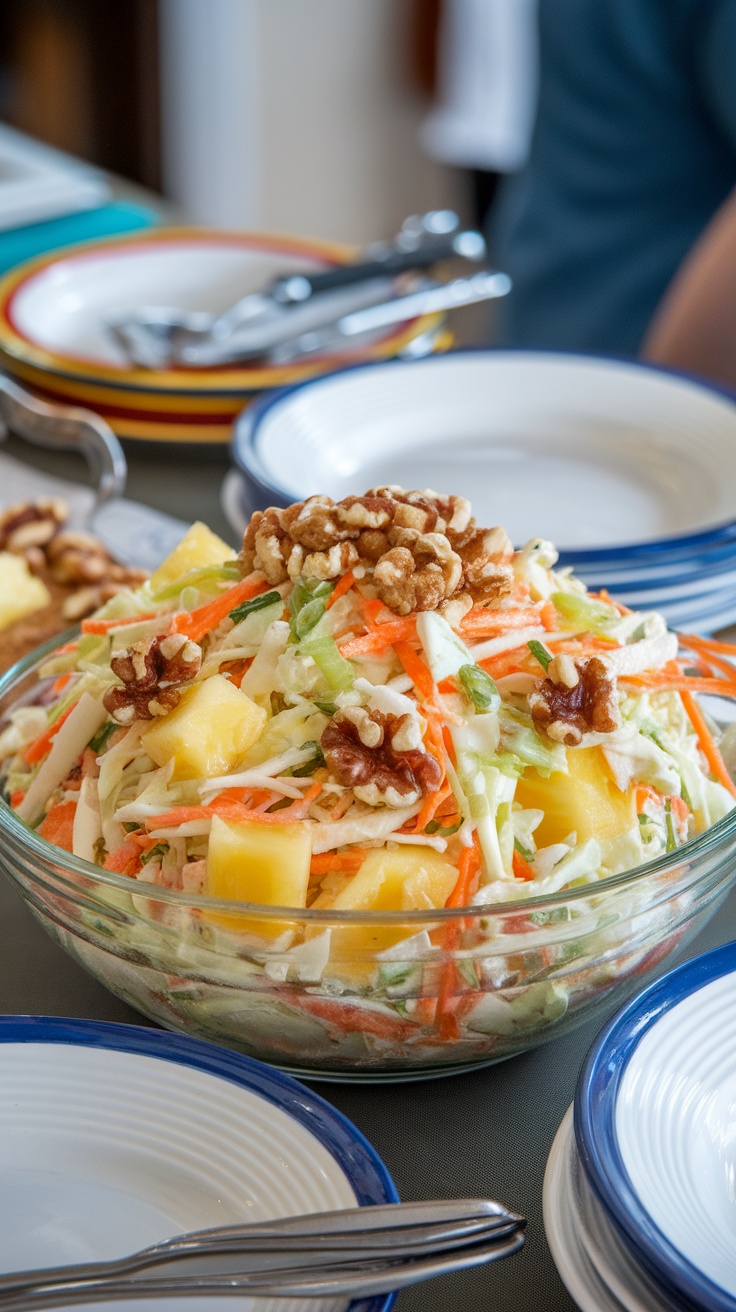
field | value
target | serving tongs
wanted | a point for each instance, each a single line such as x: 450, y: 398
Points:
x: 361, y: 1250
x: 157, y: 337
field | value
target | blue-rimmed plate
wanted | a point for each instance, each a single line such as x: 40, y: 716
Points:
x: 610, y: 459
x: 655, y: 1127
x: 113, y: 1137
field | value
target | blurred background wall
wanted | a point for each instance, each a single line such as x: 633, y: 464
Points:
x: 299, y: 115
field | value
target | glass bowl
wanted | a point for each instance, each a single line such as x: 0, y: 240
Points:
x: 365, y: 995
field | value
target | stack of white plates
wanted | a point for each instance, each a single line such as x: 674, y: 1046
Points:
x: 640, y: 1194
x: 630, y: 470
x: 115, y: 1137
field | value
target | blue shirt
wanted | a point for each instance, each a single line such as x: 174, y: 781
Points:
x: 634, y: 149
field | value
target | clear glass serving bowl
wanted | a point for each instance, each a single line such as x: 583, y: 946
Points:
x: 363, y: 995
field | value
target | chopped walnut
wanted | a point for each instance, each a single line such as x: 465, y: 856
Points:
x: 566, y: 711
x: 486, y: 556
x: 380, y: 757
x: 419, y: 574
x: 150, y: 672
x: 425, y: 549
x: 76, y: 557
x: 31, y: 523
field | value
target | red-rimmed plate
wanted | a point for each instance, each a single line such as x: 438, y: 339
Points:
x: 53, y: 312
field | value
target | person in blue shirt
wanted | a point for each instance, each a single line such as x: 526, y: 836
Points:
x: 633, y: 154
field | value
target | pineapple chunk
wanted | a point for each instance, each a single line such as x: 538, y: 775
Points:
x: 403, y: 879
x: 20, y: 592
x: 208, y: 733
x: 586, y: 800
x: 199, y: 547
x: 263, y: 863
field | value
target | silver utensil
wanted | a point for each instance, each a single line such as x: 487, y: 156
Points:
x: 323, y: 325
x: 157, y: 336
x: 357, y: 1250
x: 134, y: 534
x: 433, y: 298
x: 150, y: 342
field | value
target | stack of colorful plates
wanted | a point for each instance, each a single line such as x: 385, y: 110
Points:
x: 630, y: 470
x: 639, y: 1202
x: 54, y: 310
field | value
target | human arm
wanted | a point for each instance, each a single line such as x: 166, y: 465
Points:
x: 694, y: 327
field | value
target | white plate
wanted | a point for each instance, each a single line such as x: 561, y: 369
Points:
x: 676, y: 1127
x: 584, y: 451
x: 113, y: 1137
x: 595, y: 1269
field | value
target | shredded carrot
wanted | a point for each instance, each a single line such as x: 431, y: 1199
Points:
x: 105, y: 626
x: 379, y: 637
x: 416, y: 669
x: 236, y: 671
x: 468, y: 867
x: 679, y: 806
x: 61, y: 683
x: 707, y: 745
x: 57, y: 826
x: 38, y: 749
x: 376, y: 612
x: 683, y: 683
x: 197, y: 622
x: 448, y: 685
x: 521, y: 867
x: 549, y: 617
x: 480, y: 623
x: 581, y: 643
x: 16, y: 797
x: 710, y: 658
x: 645, y: 793
x: 515, y: 661
x: 125, y: 860
x: 251, y: 796
x: 447, y: 1001
x: 448, y: 744
x: 144, y: 842
x: 235, y: 812
x: 347, y: 862
x: 430, y: 807
x: 710, y: 644
x: 340, y: 588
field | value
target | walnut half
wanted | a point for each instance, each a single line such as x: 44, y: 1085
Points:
x: 380, y: 757
x: 150, y: 672
x: 566, y: 710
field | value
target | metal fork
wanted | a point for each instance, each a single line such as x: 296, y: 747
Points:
x: 356, y: 1250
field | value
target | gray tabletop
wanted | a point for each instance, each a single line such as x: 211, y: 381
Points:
x: 486, y: 1133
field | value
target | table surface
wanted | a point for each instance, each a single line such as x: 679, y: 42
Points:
x: 482, y: 1134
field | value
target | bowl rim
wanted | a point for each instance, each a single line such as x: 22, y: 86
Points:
x: 702, y: 844
x: 360, y: 1162
x: 245, y: 454
x: 15, y: 345
x: 595, y: 1126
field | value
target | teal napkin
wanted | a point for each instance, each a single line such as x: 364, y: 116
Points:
x: 18, y: 244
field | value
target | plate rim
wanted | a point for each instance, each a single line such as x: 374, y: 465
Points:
x: 595, y: 1131
x: 15, y: 345
x: 245, y: 454
x: 359, y: 1161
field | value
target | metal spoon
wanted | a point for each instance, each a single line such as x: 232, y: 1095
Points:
x: 366, y: 1243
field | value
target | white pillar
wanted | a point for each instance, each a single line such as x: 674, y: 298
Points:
x: 209, y: 110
